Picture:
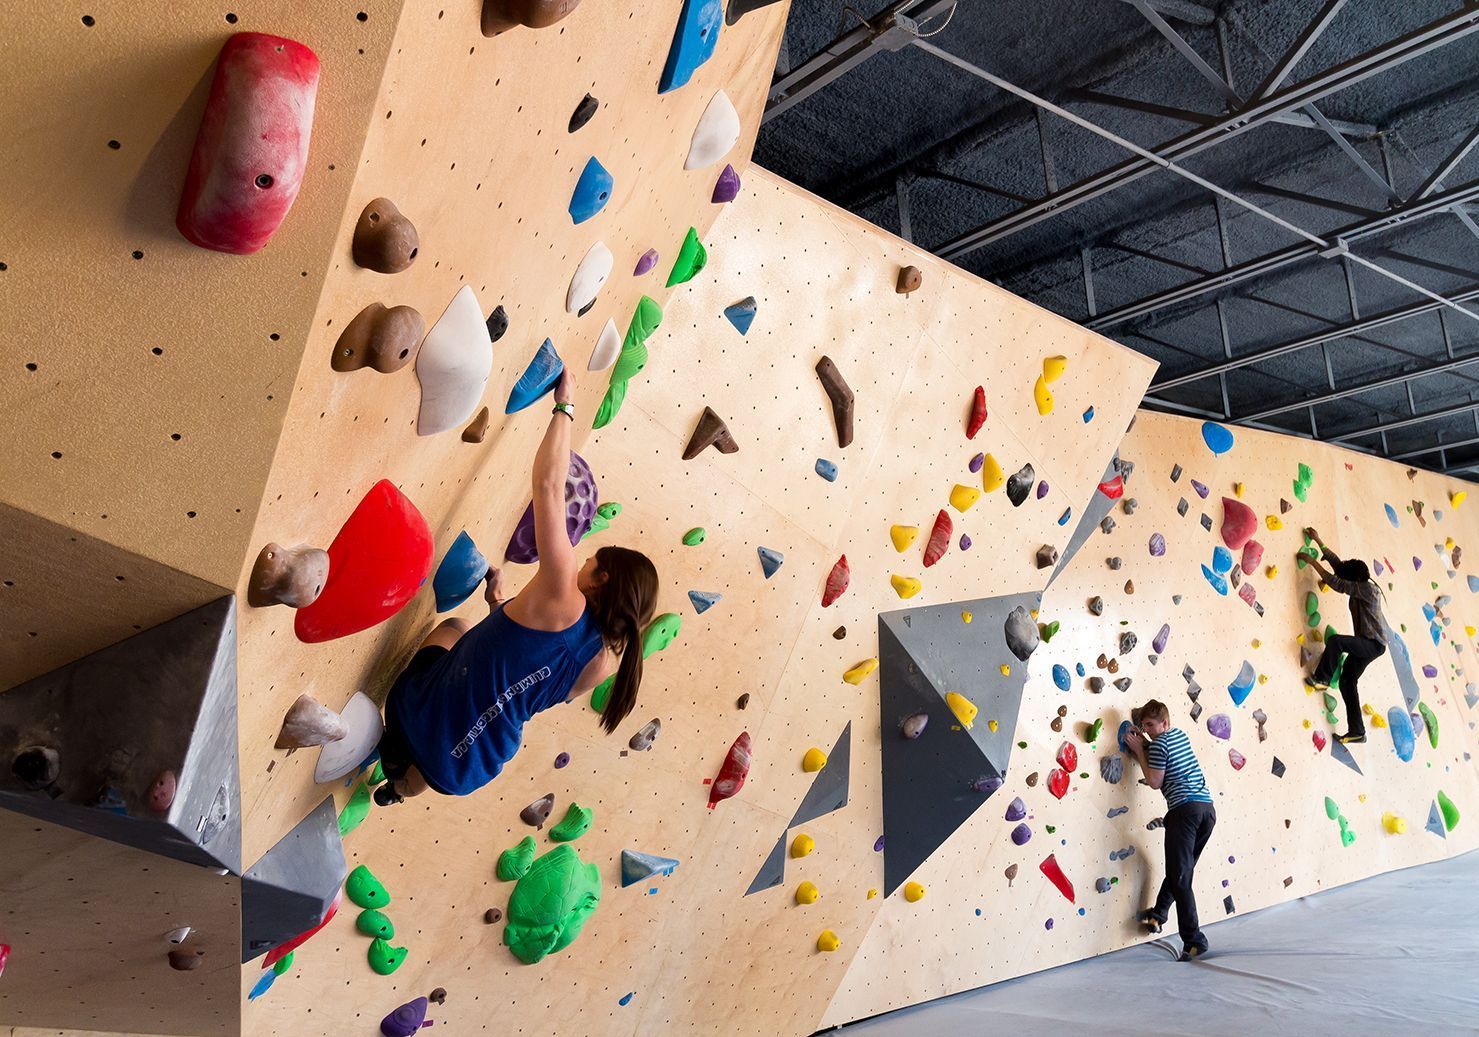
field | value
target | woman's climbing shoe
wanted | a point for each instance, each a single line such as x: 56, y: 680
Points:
x: 386, y: 795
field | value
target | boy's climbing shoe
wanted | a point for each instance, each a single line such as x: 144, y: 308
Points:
x: 1193, y: 951
x: 1151, y: 923
x: 1352, y: 738
x: 1314, y: 685
x: 386, y: 795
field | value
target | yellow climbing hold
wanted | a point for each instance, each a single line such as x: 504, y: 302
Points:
x: 802, y: 845
x: 1271, y: 571
x: 1306, y: 724
x: 1299, y: 639
x: 1457, y: 498
x: 1448, y: 544
x: 991, y: 475
x: 814, y: 760
x: 1006, y: 671
x: 1053, y: 368
x: 962, y: 497
x: 992, y: 725
x: 872, y: 893
x: 1257, y: 643
x: 913, y: 892
x: 1263, y: 678
x: 1273, y: 522
x: 828, y: 941
x: 1377, y: 720
x: 1238, y: 490
x: 858, y: 673
x: 1470, y: 631
x: 1393, y: 824
x: 1042, y: 396
x: 903, y: 537
x: 905, y: 586
x: 968, y: 616
x: 807, y: 893
x: 963, y: 708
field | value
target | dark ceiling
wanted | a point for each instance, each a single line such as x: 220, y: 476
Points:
x: 864, y: 115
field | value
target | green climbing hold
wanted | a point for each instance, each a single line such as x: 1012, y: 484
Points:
x: 1302, y: 482
x: 375, y: 923
x: 659, y: 634
x: 1312, y: 606
x: 514, y: 862
x: 631, y: 359
x: 1047, y: 630
x: 364, y: 889
x: 550, y: 904
x: 355, y: 810
x: 284, y: 963
x: 601, y: 520
x: 1430, y: 721
x: 1314, y: 619
x: 695, y: 536
x: 691, y: 259
x: 576, y: 823
x: 1331, y: 810
x: 1450, y: 812
x: 1346, y: 835
x: 1094, y: 729
x: 384, y: 958
x: 377, y: 774
x: 1330, y: 702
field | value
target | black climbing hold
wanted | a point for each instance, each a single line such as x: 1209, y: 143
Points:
x: 1020, y: 485
x: 583, y: 112
x: 586, y: 308
x: 438, y: 996
x: 1021, y: 633
x: 497, y: 323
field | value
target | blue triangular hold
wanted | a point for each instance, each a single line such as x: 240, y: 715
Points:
x: 1242, y: 685
x: 463, y: 568
x: 592, y: 191
x: 1217, y: 582
x: 770, y: 561
x: 694, y: 40
x: 637, y: 866
x: 1339, y: 751
x: 703, y: 600
x: 538, y: 378
x: 263, y: 985
x: 1435, y: 821
x: 741, y: 314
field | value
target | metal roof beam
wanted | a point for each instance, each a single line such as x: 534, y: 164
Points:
x: 1187, y: 51
x: 1295, y: 53
x: 1416, y: 419
x: 1435, y: 180
x: 1402, y: 378
x: 1350, y: 129
x: 1182, y: 11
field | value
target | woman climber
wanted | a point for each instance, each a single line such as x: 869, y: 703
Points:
x: 456, y: 715
x: 1352, y: 578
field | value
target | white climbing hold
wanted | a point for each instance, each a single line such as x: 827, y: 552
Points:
x: 717, y: 131
x: 608, y: 348
x: 590, y: 277
x: 453, y: 365
x: 336, y: 759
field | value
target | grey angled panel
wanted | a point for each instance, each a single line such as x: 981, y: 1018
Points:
x: 291, y: 887
x: 1088, y: 521
x: 828, y: 792
x: 1339, y: 751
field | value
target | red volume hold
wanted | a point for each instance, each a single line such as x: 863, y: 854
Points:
x: 978, y: 413
x: 939, y: 541
x: 252, y: 148
x: 1049, y: 867
x: 732, y: 774
x: 379, y: 559
x: 837, y: 581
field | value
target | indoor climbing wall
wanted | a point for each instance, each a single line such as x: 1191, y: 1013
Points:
x: 1230, y: 673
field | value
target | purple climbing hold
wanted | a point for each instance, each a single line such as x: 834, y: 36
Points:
x: 1048, y: 924
x: 965, y: 541
x: 1021, y: 834
x: 727, y: 187
x: 1417, y: 563
x: 1158, y: 643
x: 988, y: 784
x: 1220, y: 725
x: 878, y: 846
x: 1157, y: 545
x: 1042, y: 489
x: 580, y: 508
x: 647, y: 261
x: 1016, y: 809
x: 977, y: 463
x: 562, y: 761
x: 1201, y: 489
x: 1430, y: 670
x: 405, y: 1020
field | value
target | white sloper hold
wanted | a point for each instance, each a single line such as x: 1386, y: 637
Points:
x: 608, y: 348
x: 590, y: 277
x: 453, y: 365
x: 717, y: 131
x: 336, y: 759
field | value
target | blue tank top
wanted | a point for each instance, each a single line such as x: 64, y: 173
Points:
x: 464, y: 716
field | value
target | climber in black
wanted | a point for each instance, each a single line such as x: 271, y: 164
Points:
x: 1352, y: 577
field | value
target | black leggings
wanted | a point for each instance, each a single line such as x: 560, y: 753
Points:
x: 1188, y: 827
x: 1360, y: 652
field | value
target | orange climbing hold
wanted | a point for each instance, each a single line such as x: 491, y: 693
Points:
x: 837, y: 581
x: 732, y: 773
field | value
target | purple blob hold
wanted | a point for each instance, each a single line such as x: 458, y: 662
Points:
x: 405, y: 1020
x: 1379, y: 569
x: 977, y: 462
x: 987, y: 785
x: 878, y: 846
x: 1430, y: 670
x: 1202, y: 491
x: 580, y: 508
x: 1157, y: 545
x: 562, y: 761
x: 1048, y: 924
x: 1417, y: 563
x: 1220, y: 724
x: 646, y: 262
x: 965, y: 541
x: 1016, y: 809
x: 726, y: 188
x: 1021, y: 834
x: 1158, y: 643
x: 1042, y: 489
x: 1231, y: 859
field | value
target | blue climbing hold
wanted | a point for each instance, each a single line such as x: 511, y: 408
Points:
x: 1473, y: 584
x: 1060, y: 677
x: 263, y: 985
x: 703, y: 600
x: 1088, y: 415
x: 770, y: 561
x: 538, y: 379
x: 1435, y: 821
x: 1391, y: 515
x: 826, y: 469
x: 1219, y: 438
x: 463, y: 568
x: 626, y: 999
x: 592, y: 191
x: 1221, y: 559
x: 637, y: 866
x: 1404, y: 740
x: 1120, y: 737
x: 1242, y: 685
x: 741, y: 314
x: 694, y: 40
x: 1067, y: 514
x: 1080, y: 669
x: 1218, y: 583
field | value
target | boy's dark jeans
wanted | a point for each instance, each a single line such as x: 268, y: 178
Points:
x: 1360, y: 652
x: 1187, y: 829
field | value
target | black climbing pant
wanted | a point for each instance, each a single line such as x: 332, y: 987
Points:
x: 1188, y: 827
x: 1360, y: 652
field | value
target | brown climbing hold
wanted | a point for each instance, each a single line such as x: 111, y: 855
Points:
x: 910, y: 278
x: 186, y: 961
x: 292, y: 576
x: 1032, y: 780
x: 538, y: 812
x: 711, y: 432
x: 840, y: 633
x: 438, y: 996
x: 1047, y: 555
x: 492, y: 916
x: 162, y: 792
x: 1011, y: 874
x: 841, y: 396
x: 1062, y: 711
x: 502, y: 15
x: 742, y: 701
x: 308, y: 723
x: 384, y: 240
x: 379, y: 337
x: 1057, y: 724
x: 1129, y: 586
x: 475, y: 431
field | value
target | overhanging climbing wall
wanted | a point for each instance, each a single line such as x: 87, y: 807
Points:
x: 1274, y: 840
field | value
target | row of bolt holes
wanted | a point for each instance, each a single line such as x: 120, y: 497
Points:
x: 89, y: 21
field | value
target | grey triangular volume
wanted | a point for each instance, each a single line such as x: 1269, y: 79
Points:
x: 828, y: 792
x: 163, y: 701
x: 1402, y: 663
x: 773, y: 871
x: 290, y: 888
x: 1093, y: 513
x: 933, y: 783
x: 1435, y: 821
x: 1339, y: 751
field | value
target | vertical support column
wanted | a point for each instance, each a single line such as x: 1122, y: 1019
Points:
x: 1084, y: 256
x: 906, y: 223
x: 1049, y: 174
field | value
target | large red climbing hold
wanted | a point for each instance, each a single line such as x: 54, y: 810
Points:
x: 4, y: 956
x: 1114, y: 488
x: 1068, y: 757
x: 252, y: 147
x: 732, y: 774
x: 379, y: 560
x: 939, y: 541
x: 1058, y: 782
x: 1049, y: 867
x: 1239, y: 523
x: 282, y: 950
x: 837, y: 581
x: 978, y: 413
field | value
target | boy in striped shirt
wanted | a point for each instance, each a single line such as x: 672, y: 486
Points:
x: 1171, y: 766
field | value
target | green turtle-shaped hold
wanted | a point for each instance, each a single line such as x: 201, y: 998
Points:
x: 375, y: 923
x: 576, y: 823
x: 364, y: 889
x: 550, y: 904
x: 515, y: 861
x: 384, y: 958
x: 1094, y: 729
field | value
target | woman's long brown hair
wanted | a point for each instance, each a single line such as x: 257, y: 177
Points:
x: 622, y: 607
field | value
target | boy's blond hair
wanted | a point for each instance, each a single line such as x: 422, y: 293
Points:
x: 1152, y: 710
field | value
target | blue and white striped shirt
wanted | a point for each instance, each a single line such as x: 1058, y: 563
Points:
x: 1183, y: 783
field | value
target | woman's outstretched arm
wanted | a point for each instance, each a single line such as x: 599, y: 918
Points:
x: 553, y: 587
